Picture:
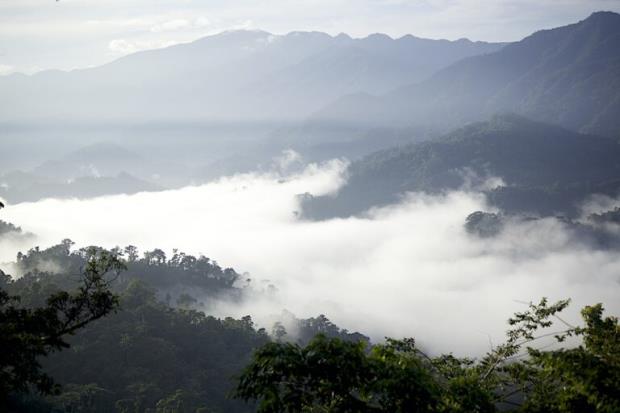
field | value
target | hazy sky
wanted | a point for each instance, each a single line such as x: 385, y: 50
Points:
x: 44, y: 34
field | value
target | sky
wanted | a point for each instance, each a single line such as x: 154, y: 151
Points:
x: 67, y: 34
x: 405, y: 270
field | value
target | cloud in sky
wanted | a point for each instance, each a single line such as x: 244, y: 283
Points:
x: 76, y: 33
x: 6, y: 69
x: 123, y: 47
x: 406, y: 270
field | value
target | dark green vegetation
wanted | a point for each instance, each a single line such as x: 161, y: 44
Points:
x: 156, y: 352
x: 28, y: 333
x: 546, y: 170
x: 148, y: 356
x: 330, y: 375
x: 173, y: 275
x: 595, y: 231
x: 8, y: 229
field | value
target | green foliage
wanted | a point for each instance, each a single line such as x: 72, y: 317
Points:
x: 585, y: 378
x: 307, y: 329
x: 483, y: 224
x: 331, y: 375
x: 27, y: 334
x: 181, y: 271
x: 150, y: 356
x: 7, y: 227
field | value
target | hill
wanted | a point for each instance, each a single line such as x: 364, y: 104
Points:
x: 545, y: 169
x: 20, y: 186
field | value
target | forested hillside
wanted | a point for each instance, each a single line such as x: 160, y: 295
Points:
x: 545, y: 169
x: 158, y: 351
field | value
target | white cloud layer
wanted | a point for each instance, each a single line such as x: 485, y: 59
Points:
x: 123, y: 47
x: 407, y: 270
x: 6, y: 69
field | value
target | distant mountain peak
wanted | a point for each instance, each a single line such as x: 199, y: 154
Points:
x: 101, y: 150
x: 342, y: 36
x: 603, y: 19
x: 604, y: 15
x: 233, y: 32
x: 379, y: 37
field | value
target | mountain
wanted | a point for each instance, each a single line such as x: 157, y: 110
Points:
x: 568, y: 76
x: 99, y: 159
x: 545, y: 169
x: 17, y: 186
x: 238, y: 76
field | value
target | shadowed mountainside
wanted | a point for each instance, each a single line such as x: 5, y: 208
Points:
x: 546, y: 169
x: 568, y: 76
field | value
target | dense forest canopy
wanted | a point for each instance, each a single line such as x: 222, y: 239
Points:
x: 337, y: 376
x: 150, y: 355
x: 156, y: 350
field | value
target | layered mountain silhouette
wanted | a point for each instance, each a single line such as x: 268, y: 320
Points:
x: 231, y: 77
x: 17, y: 186
x: 545, y: 169
x: 568, y: 76
x: 229, y: 102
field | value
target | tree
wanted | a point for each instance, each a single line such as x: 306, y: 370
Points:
x: 585, y: 378
x: 155, y: 257
x: 332, y: 375
x: 27, y: 334
x: 186, y: 301
x: 132, y: 253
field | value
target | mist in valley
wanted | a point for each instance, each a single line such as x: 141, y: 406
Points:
x: 409, y: 269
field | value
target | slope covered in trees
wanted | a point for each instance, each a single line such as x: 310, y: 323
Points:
x: 545, y: 169
x: 397, y: 377
x: 156, y: 352
x: 151, y: 357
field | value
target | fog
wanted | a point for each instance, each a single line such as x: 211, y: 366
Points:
x: 405, y: 270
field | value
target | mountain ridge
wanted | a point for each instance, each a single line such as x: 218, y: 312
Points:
x: 568, y: 75
x: 216, y: 77
x: 545, y: 169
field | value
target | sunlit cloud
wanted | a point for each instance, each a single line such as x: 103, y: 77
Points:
x: 123, y: 47
x: 6, y: 69
x: 179, y: 24
x: 405, y: 270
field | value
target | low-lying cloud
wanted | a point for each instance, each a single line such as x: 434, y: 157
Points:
x: 405, y: 270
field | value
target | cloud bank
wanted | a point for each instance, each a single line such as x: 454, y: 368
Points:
x: 405, y: 270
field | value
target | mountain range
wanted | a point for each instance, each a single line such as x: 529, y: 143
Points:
x: 231, y: 102
x: 569, y: 76
x: 239, y: 76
